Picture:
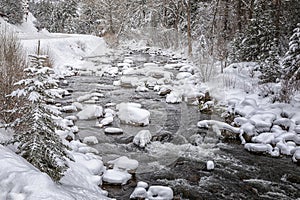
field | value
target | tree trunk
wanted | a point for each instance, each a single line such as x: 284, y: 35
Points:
x: 189, y: 31
x: 239, y: 15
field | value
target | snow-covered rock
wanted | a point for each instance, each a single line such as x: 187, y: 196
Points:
x: 160, y: 193
x: 130, y: 114
x: 106, y: 121
x: 139, y: 193
x: 296, y: 154
x: 174, y: 97
x: 69, y: 109
x: 90, y: 112
x: 114, y: 176
x: 90, y: 96
x: 125, y: 164
x: 90, y: 140
x: 113, y: 131
x: 142, y: 138
x: 257, y: 147
x: 210, y: 165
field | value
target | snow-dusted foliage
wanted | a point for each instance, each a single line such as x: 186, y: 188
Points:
x: 13, y: 10
x: 35, y: 132
x: 291, y: 61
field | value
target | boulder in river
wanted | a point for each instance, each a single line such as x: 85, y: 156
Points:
x: 114, y: 131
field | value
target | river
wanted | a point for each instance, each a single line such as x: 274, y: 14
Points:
x: 178, y: 154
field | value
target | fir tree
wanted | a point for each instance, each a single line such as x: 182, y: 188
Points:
x: 270, y: 67
x: 35, y: 133
x: 291, y: 61
x: 13, y: 10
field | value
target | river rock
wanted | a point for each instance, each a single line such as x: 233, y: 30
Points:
x: 142, y: 138
x: 90, y: 112
x: 129, y: 114
x: 162, y: 137
x: 125, y: 164
x: 116, y: 177
x: 114, y: 131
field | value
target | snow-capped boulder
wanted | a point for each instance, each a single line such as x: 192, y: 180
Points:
x: 90, y: 140
x: 87, y: 97
x: 69, y: 109
x: 210, y: 165
x: 264, y: 138
x: 114, y: 176
x: 174, y: 97
x: 125, y: 164
x: 130, y: 114
x: 113, y: 131
x: 142, y: 138
x: 90, y: 112
x: 139, y: 193
x: 296, y: 154
x: 106, y: 121
x: 159, y: 193
x: 259, y: 148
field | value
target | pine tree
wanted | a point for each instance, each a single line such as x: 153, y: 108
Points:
x: 13, y: 10
x: 35, y: 133
x: 270, y: 67
x: 291, y: 61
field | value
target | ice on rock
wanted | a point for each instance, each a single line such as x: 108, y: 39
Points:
x: 187, y: 68
x: 114, y: 176
x: 160, y: 193
x: 90, y: 112
x: 240, y: 121
x: 113, y: 131
x: 139, y: 193
x: 210, y: 165
x: 150, y: 65
x: 125, y: 164
x: 130, y: 114
x: 90, y: 140
x: 174, y: 97
x: 142, y: 138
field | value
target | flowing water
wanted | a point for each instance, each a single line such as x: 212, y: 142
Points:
x: 179, y: 151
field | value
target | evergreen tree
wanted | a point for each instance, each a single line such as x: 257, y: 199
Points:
x: 42, y: 10
x: 13, y: 10
x: 270, y: 67
x: 291, y: 61
x: 35, y: 133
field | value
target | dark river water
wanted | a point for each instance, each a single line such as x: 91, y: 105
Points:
x: 179, y: 151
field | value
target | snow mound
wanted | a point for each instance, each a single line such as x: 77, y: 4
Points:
x: 131, y: 114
